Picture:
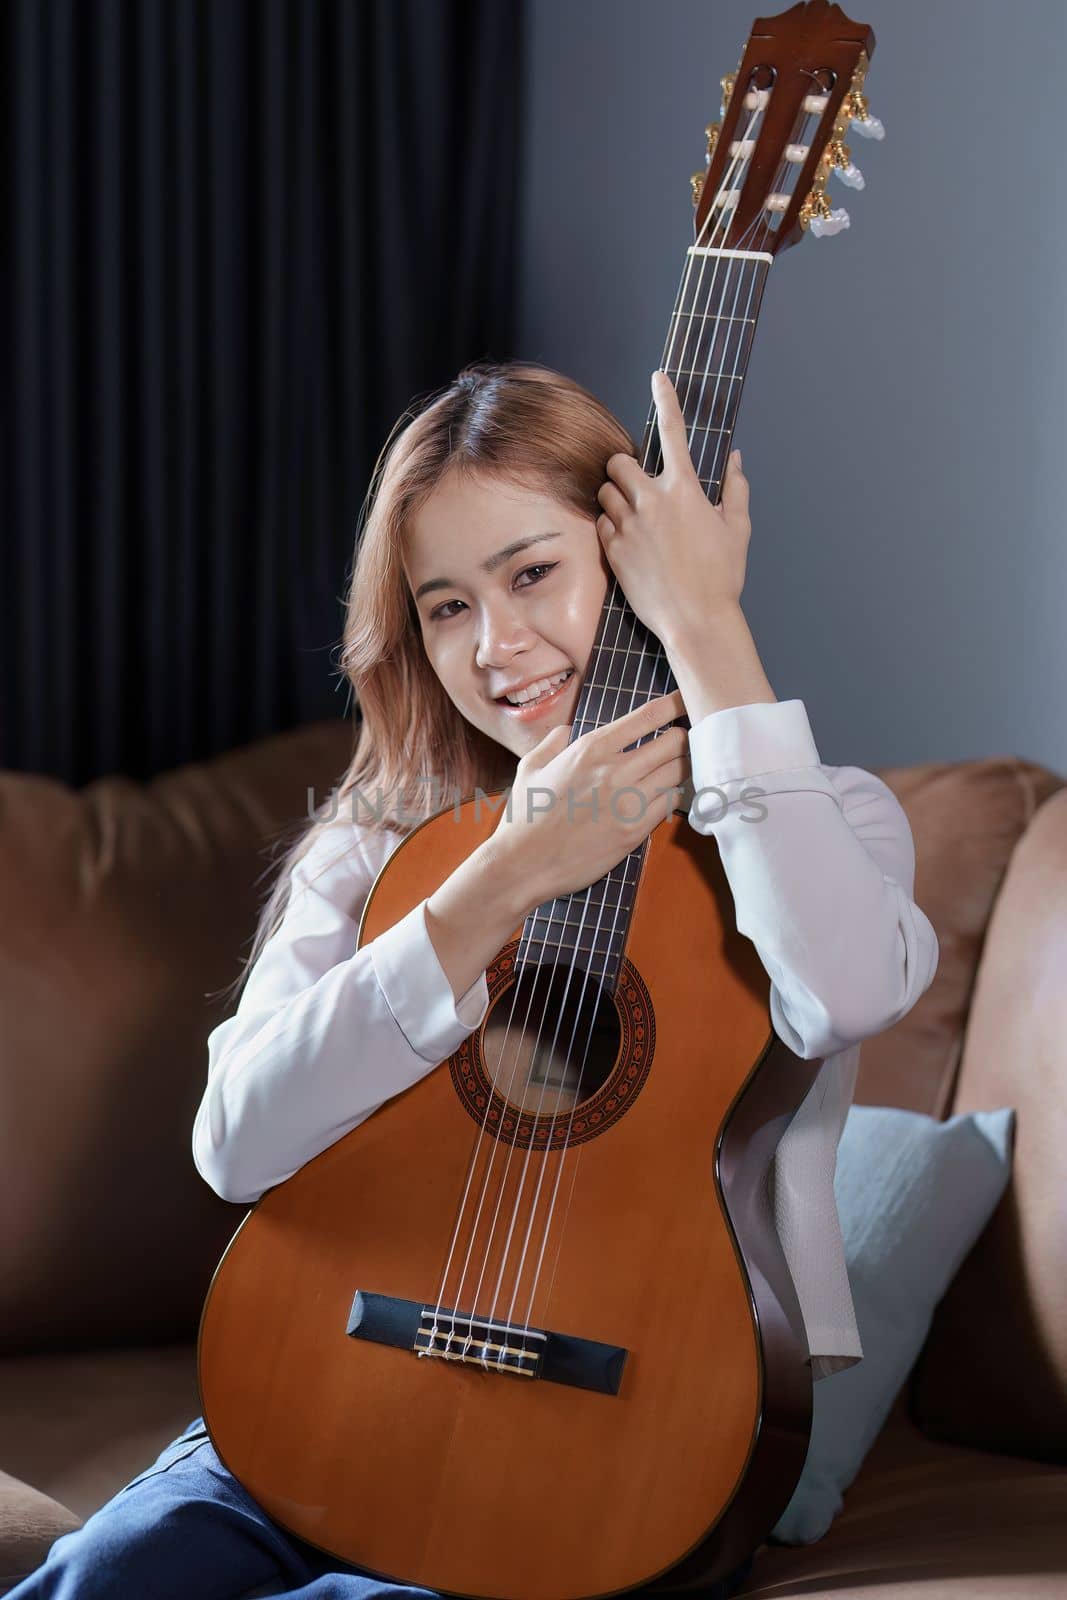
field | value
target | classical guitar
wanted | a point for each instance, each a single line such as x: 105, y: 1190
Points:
x: 528, y: 1332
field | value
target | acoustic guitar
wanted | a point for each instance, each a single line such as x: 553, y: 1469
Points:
x: 528, y: 1333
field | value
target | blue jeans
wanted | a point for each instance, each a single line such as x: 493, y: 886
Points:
x: 185, y: 1528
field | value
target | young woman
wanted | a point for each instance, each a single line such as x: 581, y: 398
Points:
x: 496, y: 517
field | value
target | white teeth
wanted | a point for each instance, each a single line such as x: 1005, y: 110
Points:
x: 523, y: 696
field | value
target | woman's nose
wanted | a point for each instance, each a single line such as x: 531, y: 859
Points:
x: 500, y: 637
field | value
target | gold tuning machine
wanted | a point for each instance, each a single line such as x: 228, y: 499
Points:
x: 711, y: 137
x: 817, y: 214
x: 816, y: 205
x: 855, y: 109
x: 837, y: 153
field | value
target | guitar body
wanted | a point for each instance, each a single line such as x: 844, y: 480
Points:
x: 660, y: 1248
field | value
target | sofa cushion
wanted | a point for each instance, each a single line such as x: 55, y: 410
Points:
x: 930, y: 1520
x: 126, y: 907
x: 30, y: 1523
x: 79, y: 1424
x: 994, y: 1371
x: 966, y: 819
x: 913, y: 1194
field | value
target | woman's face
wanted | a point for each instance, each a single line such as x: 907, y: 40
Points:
x: 532, y: 614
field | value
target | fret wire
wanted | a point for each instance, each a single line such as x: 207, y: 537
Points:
x: 557, y: 925
x: 555, y: 928
x: 708, y: 316
x: 607, y: 973
x: 598, y: 970
x: 626, y: 650
x: 609, y: 877
x: 593, y: 909
x: 744, y: 282
x: 655, y: 668
x: 697, y: 372
x: 589, y: 919
x: 583, y: 950
x: 690, y: 310
x: 621, y: 688
x: 625, y: 881
x: 586, y: 918
x: 586, y: 911
x: 697, y: 427
x: 588, y: 723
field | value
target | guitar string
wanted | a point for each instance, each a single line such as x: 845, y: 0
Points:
x: 672, y: 336
x: 537, y: 1273
x: 504, y: 1255
x: 740, y: 270
x: 611, y: 649
x: 611, y: 607
x: 505, y: 1093
x: 565, y: 1143
x: 650, y: 434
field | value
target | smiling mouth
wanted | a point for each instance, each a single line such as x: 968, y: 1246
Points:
x: 541, y: 699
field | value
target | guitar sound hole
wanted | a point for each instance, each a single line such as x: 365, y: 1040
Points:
x: 551, y: 1039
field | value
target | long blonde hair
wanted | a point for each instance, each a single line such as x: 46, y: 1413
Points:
x: 513, y: 420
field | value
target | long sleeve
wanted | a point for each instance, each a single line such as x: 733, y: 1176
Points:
x: 822, y: 870
x: 324, y: 1033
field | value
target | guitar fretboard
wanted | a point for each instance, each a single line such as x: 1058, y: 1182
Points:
x: 706, y: 354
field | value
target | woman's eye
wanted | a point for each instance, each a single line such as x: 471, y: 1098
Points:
x: 442, y: 614
x: 543, y: 566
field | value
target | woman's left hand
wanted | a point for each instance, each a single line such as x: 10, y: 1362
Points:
x: 678, y: 558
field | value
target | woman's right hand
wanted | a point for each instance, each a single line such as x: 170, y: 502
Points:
x: 554, y: 838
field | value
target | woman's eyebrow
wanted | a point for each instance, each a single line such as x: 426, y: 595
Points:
x: 489, y: 565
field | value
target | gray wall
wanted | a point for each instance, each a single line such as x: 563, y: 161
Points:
x: 903, y: 419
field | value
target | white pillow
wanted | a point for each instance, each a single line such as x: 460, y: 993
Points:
x: 913, y: 1196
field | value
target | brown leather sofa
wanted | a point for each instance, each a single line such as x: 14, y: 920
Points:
x: 125, y: 908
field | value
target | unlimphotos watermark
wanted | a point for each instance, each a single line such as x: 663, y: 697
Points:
x: 538, y: 800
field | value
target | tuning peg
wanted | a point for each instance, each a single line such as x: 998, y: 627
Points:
x: 696, y: 183
x: 861, y: 120
x: 834, y: 222
x: 869, y: 127
x: 839, y: 159
x: 851, y: 177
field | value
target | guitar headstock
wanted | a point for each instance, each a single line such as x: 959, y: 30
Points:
x: 796, y: 95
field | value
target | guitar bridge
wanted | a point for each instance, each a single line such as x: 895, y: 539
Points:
x: 478, y: 1342
x: 441, y: 1333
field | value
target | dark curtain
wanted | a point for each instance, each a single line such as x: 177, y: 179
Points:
x: 240, y: 237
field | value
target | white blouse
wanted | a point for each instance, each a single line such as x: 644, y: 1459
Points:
x: 822, y: 890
